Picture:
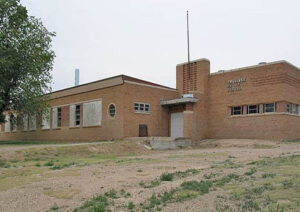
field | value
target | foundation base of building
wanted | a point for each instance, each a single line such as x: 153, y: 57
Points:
x: 163, y: 143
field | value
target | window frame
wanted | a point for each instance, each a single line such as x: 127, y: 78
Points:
x: 294, y: 109
x: 59, y: 117
x: 288, y: 108
x: 234, y: 110
x: 265, y: 107
x: 77, y: 121
x: 140, y: 107
x: 249, y: 110
x: 109, y: 110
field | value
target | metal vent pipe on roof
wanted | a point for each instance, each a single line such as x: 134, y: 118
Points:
x: 76, y: 77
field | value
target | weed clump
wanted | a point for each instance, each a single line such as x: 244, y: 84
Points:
x: 54, y: 207
x: 202, y: 186
x: 111, y: 194
x: 131, y: 205
x: 98, y: 203
x: 49, y: 163
x: 167, y: 177
x: 227, y: 179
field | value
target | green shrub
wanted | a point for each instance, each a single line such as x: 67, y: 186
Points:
x: 251, y: 172
x: 167, y: 177
x: 112, y: 194
x: 2, y: 162
x: 267, y: 175
x: 49, y: 163
x: 202, y: 186
x: 131, y: 205
x: 54, y: 207
x: 227, y: 179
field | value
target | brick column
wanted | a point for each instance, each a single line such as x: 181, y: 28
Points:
x: 245, y: 110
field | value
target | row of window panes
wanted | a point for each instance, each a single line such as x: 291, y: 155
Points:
x: 142, y: 107
x: 253, y: 109
x: 292, y: 108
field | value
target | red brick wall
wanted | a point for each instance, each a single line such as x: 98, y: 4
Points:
x: 158, y: 119
x: 110, y: 128
x: 265, y: 84
x: 195, y: 121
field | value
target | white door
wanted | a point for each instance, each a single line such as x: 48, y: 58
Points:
x: 176, y: 125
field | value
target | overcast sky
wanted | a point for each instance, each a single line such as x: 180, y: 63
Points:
x: 147, y: 38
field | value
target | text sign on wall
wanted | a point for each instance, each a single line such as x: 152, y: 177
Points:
x: 235, y: 85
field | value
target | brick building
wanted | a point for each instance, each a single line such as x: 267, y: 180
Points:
x: 261, y: 101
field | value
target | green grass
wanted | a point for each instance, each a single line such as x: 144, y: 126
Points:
x: 202, y: 186
x: 263, y: 146
x: 131, y: 205
x: 112, y: 194
x: 277, y: 188
x: 97, y: 204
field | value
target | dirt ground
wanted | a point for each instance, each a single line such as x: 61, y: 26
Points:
x: 30, y: 184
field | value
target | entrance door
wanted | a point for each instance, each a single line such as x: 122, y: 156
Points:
x: 176, y: 125
x: 143, y: 130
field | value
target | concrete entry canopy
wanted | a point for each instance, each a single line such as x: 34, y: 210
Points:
x: 183, y: 100
x: 177, y: 109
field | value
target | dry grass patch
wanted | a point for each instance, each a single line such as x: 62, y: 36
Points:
x: 63, y: 193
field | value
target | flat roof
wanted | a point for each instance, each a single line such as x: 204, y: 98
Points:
x: 254, y: 66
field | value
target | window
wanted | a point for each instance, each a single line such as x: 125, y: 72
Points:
x: 77, y: 115
x: 112, y: 110
x: 25, y: 122
x: 142, y: 107
x: 270, y: 108
x: 136, y: 106
x: 14, y: 123
x: 299, y: 110
x: 237, y: 110
x: 92, y: 113
x: 294, y: 109
x: 7, y: 124
x: 74, y: 115
x: 46, y: 120
x: 32, y: 122
x: 288, y: 107
x: 59, y: 117
x: 252, y: 109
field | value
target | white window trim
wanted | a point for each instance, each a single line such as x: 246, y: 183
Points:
x: 232, y: 111
x: 275, y: 107
x: 248, y: 109
x: 294, y: 109
x: 108, y: 111
x: 142, y: 111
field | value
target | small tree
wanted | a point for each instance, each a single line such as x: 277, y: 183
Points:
x: 26, y: 60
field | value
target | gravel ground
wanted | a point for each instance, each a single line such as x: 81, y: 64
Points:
x: 99, y: 178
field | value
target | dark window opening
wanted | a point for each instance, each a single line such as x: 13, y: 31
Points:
x: 237, y: 110
x: 59, y: 117
x: 112, y: 110
x: 252, y: 109
x: 77, y: 115
x: 270, y: 108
